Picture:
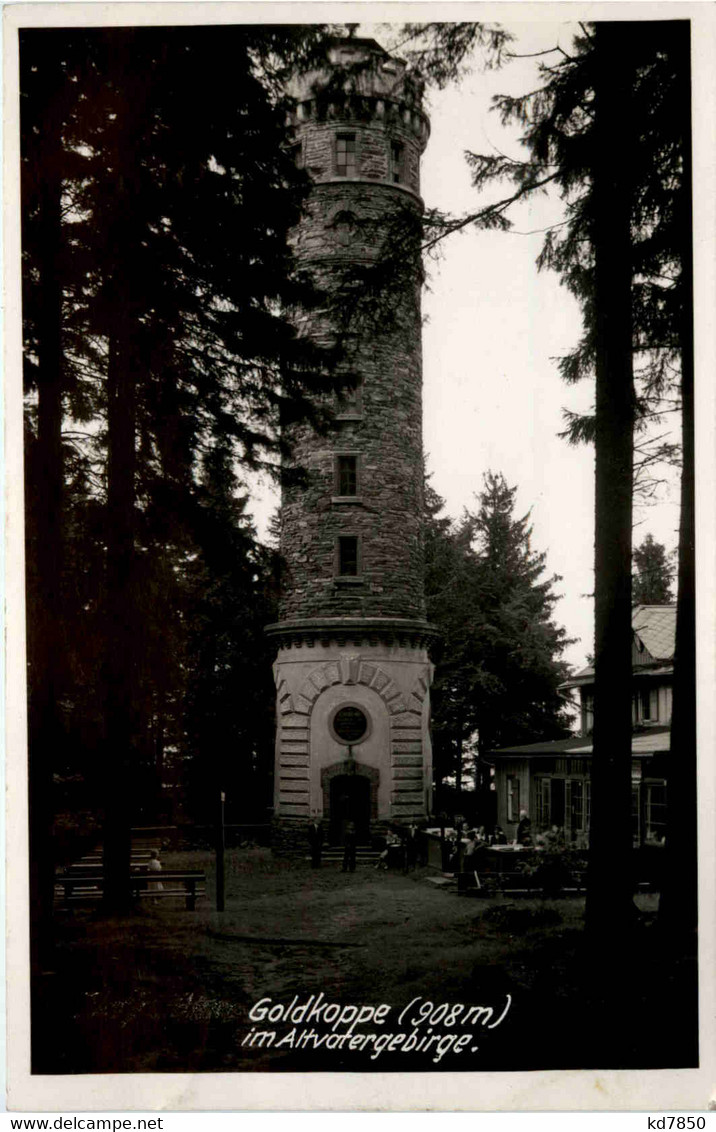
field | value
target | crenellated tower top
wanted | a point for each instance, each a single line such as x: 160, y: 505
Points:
x: 368, y: 93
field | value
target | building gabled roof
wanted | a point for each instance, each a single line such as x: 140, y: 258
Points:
x: 650, y: 741
x: 586, y: 676
x: 655, y: 627
x: 358, y: 41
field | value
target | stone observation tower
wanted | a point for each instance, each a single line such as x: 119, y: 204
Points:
x: 352, y: 671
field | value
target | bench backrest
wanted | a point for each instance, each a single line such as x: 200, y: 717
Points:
x: 97, y: 878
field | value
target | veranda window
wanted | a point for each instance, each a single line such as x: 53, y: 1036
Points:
x: 543, y: 809
x: 513, y: 798
x: 655, y: 811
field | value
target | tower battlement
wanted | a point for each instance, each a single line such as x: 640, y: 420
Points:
x: 365, y: 93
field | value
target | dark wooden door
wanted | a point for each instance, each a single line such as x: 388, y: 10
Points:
x: 350, y: 801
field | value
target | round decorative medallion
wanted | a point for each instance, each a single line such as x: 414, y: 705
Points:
x: 350, y: 724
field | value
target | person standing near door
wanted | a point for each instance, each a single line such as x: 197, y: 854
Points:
x: 349, y: 846
x: 315, y: 841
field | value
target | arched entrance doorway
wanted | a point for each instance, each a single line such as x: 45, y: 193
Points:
x: 349, y: 801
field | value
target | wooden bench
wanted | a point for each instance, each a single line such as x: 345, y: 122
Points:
x: 89, y: 885
x: 96, y: 868
x: 515, y: 884
x: 492, y: 884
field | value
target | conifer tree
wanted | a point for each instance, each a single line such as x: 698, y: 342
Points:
x: 621, y: 164
x: 500, y: 664
x: 47, y: 103
x: 609, y: 894
x: 157, y: 314
x: 652, y: 576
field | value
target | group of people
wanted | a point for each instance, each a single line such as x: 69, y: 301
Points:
x: 404, y: 847
x: 457, y: 851
x: 349, y: 840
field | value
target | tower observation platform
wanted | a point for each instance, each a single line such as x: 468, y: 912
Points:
x: 352, y: 670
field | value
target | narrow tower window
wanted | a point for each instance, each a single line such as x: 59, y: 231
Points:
x: 348, y: 556
x: 346, y: 475
x: 349, y: 398
x: 346, y: 164
x: 397, y: 162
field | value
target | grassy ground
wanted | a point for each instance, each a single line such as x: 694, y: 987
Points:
x: 170, y: 990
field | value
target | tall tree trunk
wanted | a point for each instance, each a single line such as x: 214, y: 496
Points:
x: 44, y: 614
x: 120, y: 663
x: 458, y: 771
x: 678, y: 907
x: 609, y: 891
x: 158, y: 740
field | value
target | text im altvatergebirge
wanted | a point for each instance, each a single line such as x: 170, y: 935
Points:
x: 422, y: 1026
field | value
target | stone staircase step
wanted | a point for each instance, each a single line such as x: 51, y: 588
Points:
x: 334, y: 854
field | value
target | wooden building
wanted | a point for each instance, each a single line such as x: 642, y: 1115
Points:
x: 551, y: 781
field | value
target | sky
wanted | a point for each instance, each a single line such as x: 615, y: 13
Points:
x: 493, y: 398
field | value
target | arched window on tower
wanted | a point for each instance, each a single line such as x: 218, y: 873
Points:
x: 345, y: 225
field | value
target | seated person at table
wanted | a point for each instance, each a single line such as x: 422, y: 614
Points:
x: 498, y: 836
x: 524, y: 829
x: 392, y: 843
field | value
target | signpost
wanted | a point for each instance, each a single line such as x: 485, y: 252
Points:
x: 220, y: 855
x: 459, y: 822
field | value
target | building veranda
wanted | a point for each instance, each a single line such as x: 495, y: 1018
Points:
x: 551, y: 781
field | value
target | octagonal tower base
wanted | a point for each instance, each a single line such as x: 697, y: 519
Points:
x: 352, y: 735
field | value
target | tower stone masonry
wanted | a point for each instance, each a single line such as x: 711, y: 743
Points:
x: 352, y: 670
